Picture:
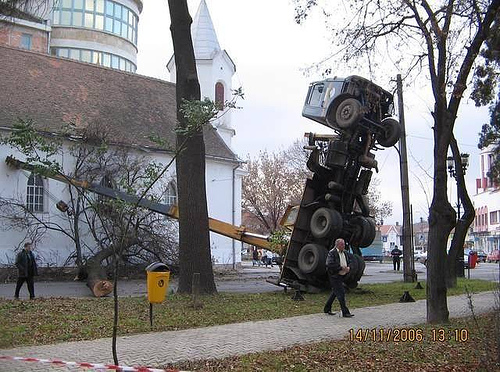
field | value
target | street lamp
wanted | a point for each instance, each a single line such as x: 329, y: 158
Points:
x: 464, y: 159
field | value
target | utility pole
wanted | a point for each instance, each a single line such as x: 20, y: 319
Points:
x: 408, y: 273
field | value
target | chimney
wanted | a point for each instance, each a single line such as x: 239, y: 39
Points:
x: 397, y: 223
x: 421, y: 220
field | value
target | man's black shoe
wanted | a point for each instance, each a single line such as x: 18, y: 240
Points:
x: 330, y: 313
x: 348, y: 315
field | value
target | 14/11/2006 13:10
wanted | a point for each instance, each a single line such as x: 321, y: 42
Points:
x: 409, y: 335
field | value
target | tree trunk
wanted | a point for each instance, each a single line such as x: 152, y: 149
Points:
x: 441, y: 220
x: 463, y: 223
x: 194, y: 251
x: 95, y: 274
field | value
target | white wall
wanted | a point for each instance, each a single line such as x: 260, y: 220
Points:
x: 224, y: 184
x: 56, y: 247
x: 53, y: 247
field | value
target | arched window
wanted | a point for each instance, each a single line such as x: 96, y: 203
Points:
x: 171, y: 194
x: 219, y: 95
x: 34, y: 193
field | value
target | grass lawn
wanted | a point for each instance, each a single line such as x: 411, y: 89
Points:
x: 478, y: 350
x: 45, y: 321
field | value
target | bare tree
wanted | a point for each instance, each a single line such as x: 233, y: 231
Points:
x: 271, y: 185
x: 379, y: 208
x: 445, y: 38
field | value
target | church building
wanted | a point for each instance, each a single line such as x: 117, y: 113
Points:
x: 59, y: 89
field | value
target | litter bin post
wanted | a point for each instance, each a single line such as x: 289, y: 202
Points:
x: 158, y: 276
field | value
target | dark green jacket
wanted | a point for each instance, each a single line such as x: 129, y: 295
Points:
x: 26, y: 264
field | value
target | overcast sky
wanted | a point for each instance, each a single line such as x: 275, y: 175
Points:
x: 271, y: 53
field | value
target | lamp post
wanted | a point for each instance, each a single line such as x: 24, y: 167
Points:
x: 464, y: 159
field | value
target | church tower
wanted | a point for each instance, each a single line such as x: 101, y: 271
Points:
x: 215, y: 68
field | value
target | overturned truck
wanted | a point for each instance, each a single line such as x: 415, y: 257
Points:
x: 334, y: 203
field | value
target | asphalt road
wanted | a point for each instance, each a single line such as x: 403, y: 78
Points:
x: 383, y: 272
x: 248, y: 279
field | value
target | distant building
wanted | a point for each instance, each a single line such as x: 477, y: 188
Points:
x: 486, y: 225
x: 103, y: 32
x: 420, y: 235
x: 391, y: 236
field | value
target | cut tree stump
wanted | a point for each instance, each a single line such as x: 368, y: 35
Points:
x: 100, y: 287
x: 97, y: 279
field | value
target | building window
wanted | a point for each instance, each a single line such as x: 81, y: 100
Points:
x: 34, y: 193
x: 171, y: 194
x: 219, y: 95
x: 101, y: 15
x: 494, y: 217
x: 93, y: 56
x: 26, y: 41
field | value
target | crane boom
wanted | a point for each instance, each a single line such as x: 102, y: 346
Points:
x: 239, y: 233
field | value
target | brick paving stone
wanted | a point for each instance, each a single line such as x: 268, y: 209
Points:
x: 159, y: 348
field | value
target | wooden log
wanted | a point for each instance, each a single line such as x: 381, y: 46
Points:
x: 100, y: 287
x: 96, y: 275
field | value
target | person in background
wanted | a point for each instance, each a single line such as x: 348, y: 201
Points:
x: 396, y: 257
x: 255, y: 257
x: 26, y: 265
x: 337, y: 264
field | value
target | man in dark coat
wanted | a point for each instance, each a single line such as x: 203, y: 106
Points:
x: 337, y: 264
x: 26, y: 264
x: 396, y: 258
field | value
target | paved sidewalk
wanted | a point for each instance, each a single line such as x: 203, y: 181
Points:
x: 158, y: 349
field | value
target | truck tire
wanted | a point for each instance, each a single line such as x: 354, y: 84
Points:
x: 365, y: 233
x: 357, y: 265
x: 390, y: 134
x: 348, y: 113
x: 326, y: 223
x: 361, y: 267
x: 312, y: 259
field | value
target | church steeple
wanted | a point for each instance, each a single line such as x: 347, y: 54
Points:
x: 205, y: 41
x: 214, y: 66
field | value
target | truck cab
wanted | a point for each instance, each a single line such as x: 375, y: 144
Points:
x: 353, y: 105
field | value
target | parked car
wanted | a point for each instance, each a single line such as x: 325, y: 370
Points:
x: 278, y: 260
x: 493, y: 256
x: 481, y: 256
x: 420, y: 257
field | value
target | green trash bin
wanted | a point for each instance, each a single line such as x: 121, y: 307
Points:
x: 158, y: 276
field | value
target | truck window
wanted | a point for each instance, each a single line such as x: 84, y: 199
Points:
x: 315, y: 94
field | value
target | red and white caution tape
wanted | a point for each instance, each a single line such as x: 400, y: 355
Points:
x: 95, y: 366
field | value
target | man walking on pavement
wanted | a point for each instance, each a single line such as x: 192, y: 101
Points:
x: 337, y: 264
x: 26, y: 265
x: 396, y: 257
